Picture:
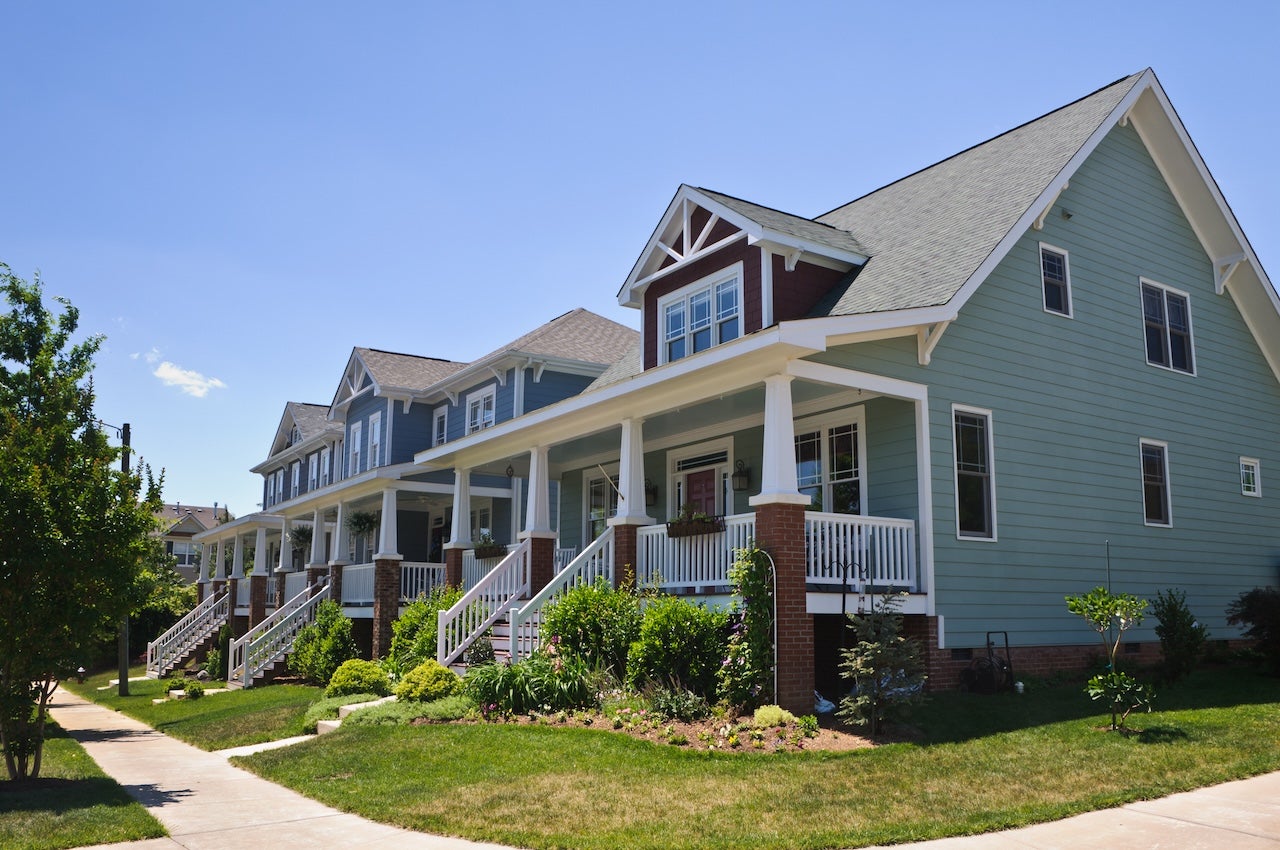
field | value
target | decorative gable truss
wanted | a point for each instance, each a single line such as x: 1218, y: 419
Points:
x: 356, y: 381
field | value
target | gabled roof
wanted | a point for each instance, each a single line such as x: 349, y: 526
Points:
x: 577, y: 335
x: 388, y: 373
x: 310, y: 420
x: 189, y: 518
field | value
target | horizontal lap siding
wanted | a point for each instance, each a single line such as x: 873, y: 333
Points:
x: 553, y: 387
x: 1070, y: 399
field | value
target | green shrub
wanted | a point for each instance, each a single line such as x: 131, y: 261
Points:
x: 452, y: 707
x: 323, y: 645
x: 547, y: 681
x: 193, y: 690
x: 745, y: 677
x: 413, y: 634
x: 883, y: 667
x: 327, y: 709
x: 214, y: 664
x: 772, y: 716
x: 1182, y: 639
x: 480, y: 651
x: 358, y: 677
x: 403, y: 713
x: 678, y: 704
x: 681, y: 645
x: 1259, y: 611
x: 596, y: 622
x: 428, y: 682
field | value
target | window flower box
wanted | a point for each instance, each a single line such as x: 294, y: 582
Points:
x: 690, y: 526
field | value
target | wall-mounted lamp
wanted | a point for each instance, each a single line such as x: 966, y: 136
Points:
x: 741, y: 477
x: 511, y: 473
x: 650, y: 493
x: 1066, y: 214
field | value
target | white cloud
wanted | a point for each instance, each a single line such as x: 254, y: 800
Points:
x: 152, y: 356
x: 187, y: 380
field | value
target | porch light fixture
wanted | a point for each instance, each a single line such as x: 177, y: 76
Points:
x: 650, y: 493
x: 741, y: 477
x: 511, y: 473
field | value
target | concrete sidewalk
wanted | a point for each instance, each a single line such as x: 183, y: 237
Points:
x: 206, y: 804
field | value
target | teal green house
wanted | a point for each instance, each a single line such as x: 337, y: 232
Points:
x: 1047, y: 363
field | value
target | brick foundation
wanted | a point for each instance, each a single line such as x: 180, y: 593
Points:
x: 218, y: 587
x: 780, y: 532
x: 386, y: 604
x: 542, y: 562
x: 315, y: 572
x: 453, y: 567
x: 335, y: 582
x: 238, y: 624
x: 257, y: 599
x: 624, y: 556
x: 280, y: 600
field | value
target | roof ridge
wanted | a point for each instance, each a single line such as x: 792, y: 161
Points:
x: 404, y: 354
x: 769, y: 208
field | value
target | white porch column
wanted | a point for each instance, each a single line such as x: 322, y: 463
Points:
x: 388, y: 536
x: 220, y: 571
x: 260, y: 552
x: 631, y: 476
x: 341, y: 539
x: 537, y: 514
x: 778, y: 482
x: 237, y: 558
x: 317, y: 538
x: 460, y: 533
x: 286, y: 548
x: 206, y: 555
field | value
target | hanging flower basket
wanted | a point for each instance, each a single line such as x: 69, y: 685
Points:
x: 691, y: 526
x: 362, y: 522
x: 486, y: 547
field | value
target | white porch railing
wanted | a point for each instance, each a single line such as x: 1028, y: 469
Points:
x: 564, y: 555
x: 294, y: 583
x: 419, y: 579
x: 272, y: 639
x: 699, y: 561
x: 242, y: 592
x: 596, y: 561
x: 875, y: 550
x: 167, y: 651
x: 475, y: 569
x: 357, y: 584
x: 478, y: 609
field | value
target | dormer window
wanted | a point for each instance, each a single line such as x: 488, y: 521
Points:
x: 295, y: 435
x: 702, y: 315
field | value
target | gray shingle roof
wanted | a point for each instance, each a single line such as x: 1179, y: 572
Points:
x: 576, y: 335
x: 792, y: 225
x: 406, y: 371
x: 929, y: 232
x: 628, y: 364
x: 311, y: 419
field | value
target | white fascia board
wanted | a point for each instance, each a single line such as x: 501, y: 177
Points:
x: 722, y: 369
x: 240, y: 525
x: 828, y: 331
x: 779, y: 242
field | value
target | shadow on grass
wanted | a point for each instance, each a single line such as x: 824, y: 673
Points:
x: 1161, y: 735
x: 58, y: 796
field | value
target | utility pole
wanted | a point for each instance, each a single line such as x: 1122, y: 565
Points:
x: 122, y: 639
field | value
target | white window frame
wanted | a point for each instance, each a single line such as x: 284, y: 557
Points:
x: 1165, y: 292
x: 965, y: 410
x: 684, y: 295
x: 271, y: 490
x: 313, y: 471
x: 479, y: 397
x: 589, y: 476
x: 1166, y: 484
x: 279, y: 486
x: 375, y: 440
x: 1066, y: 281
x: 326, y: 466
x: 353, y: 462
x: 677, y: 477
x: 295, y: 478
x: 1251, y: 477
x: 440, y: 426
x: 855, y: 417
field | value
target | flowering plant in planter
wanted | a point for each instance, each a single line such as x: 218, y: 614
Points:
x: 690, y: 522
x: 487, y: 547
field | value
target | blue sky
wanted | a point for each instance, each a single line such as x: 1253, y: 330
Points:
x: 237, y: 194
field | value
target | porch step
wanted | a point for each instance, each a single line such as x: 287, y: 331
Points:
x: 324, y: 727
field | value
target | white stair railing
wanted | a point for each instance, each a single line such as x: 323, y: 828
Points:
x: 596, y: 561
x: 272, y: 639
x: 483, y: 604
x: 167, y: 651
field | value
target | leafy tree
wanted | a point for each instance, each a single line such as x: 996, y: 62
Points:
x: 1259, y: 610
x: 74, y: 529
x: 1109, y: 614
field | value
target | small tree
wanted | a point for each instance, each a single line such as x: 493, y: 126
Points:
x: 1110, y: 614
x: 1181, y: 637
x: 1259, y: 610
x: 884, y: 667
x: 322, y: 646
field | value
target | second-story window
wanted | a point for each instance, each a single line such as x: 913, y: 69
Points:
x: 440, y: 427
x: 353, y: 466
x: 701, y: 316
x: 279, y: 485
x: 480, y: 409
x: 271, y: 491
x: 313, y: 472
x: 325, y: 458
x: 375, y: 440
x: 295, y: 476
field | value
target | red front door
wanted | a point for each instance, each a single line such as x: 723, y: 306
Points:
x: 701, y: 490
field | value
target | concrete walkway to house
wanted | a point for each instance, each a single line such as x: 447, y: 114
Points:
x: 206, y: 804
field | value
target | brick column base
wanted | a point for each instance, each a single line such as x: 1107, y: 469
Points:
x: 780, y: 532
x: 386, y: 603
x: 542, y: 562
x: 624, y: 556
x: 335, y: 582
x: 257, y: 599
x: 314, y: 572
x: 280, y: 600
x: 218, y: 587
x: 233, y: 588
x: 453, y: 567
x: 200, y: 592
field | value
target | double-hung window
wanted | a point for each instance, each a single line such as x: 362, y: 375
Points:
x: 1055, y: 280
x: 271, y: 490
x: 1166, y: 317
x: 324, y: 467
x: 1250, y: 477
x: 353, y: 465
x: 975, y: 474
x: 375, y: 440
x: 703, y: 315
x: 279, y: 486
x: 313, y: 472
x: 602, y: 503
x: 295, y: 478
x: 440, y: 426
x: 1155, y: 483
x: 828, y: 468
x: 480, y: 409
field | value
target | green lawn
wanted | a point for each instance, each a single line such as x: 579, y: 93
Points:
x: 981, y: 763
x: 72, y: 804
x: 215, y: 721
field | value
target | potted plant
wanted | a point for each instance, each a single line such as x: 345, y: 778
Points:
x: 690, y: 522
x: 487, y: 547
x: 362, y: 524
x: 300, y: 537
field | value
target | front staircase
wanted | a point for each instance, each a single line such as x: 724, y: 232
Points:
x: 261, y: 653
x: 194, y: 633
